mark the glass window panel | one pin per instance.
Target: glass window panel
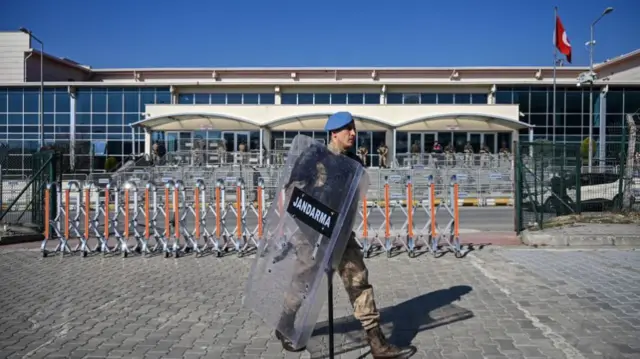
(267, 98)
(251, 99)
(573, 130)
(573, 102)
(15, 129)
(445, 98)
(322, 99)
(3, 122)
(573, 120)
(479, 98)
(3, 100)
(63, 101)
(15, 120)
(83, 119)
(289, 99)
(538, 102)
(49, 101)
(394, 98)
(98, 101)
(113, 119)
(131, 118)
(15, 101)
(631, 101)
(559, 121)
(115, 102)
(163, 97)
(305, 99)
(146, 97)
(234, 99)
(463, 98)
(131, 101)
(202, 98)
(83, 129)
(99, 129)
(411, 98)
(538, 120)
(99, 119)
(355, 98)
(61, 129)
(49, 119)
(401, 142)
(31, 100)
(339, 98)
(522, 99)
(218, 99)
(504, 97)
(372, 99)
(614, 101)
(428, 98)
(31, 119)
(185, 99)
(31, 129)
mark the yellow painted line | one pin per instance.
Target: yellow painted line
(469, 202)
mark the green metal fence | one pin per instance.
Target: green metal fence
(555, 179)
(23, 202)
(547, 182)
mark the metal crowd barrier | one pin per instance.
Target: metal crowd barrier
(175, 219)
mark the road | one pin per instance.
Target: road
(500, 303)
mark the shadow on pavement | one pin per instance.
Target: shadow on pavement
(400, 323)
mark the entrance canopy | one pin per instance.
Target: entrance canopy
(463, 122)
(196, 121)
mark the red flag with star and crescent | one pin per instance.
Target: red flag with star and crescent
(561, 40)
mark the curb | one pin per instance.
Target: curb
(547, 240)
(20, 238)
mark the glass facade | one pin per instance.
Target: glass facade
(227, 98)
(330, 98)
(19, 122)
(397, 98)
(105, 113)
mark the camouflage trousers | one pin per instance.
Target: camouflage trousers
(352, 271)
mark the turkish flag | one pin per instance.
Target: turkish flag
(561, 40)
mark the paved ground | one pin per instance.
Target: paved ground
(495, 303)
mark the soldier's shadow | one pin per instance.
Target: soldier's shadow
(400, 323)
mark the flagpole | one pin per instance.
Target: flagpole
(555, 62)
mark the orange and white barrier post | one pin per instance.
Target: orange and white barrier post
(73, 224)
(54, 224)
(217, 209)
(388, 242)
(411, 243)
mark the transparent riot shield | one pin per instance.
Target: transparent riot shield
(306, 232)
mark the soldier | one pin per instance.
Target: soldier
(383, 150)
(468, 154)
(362, 154)
(352, 269)
(222, 151)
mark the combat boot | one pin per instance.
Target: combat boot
(286, 324)
(381, 349)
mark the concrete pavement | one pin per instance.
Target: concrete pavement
(500, 303)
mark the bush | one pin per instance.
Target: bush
(584, 148)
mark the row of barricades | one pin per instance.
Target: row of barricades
(174, 220)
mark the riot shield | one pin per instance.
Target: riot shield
(306, 232)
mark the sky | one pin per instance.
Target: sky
(328, 33)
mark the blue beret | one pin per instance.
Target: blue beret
(338, 120)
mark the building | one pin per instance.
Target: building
(408, 109)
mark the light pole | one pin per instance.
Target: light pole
(592, 43)
(41, 102)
